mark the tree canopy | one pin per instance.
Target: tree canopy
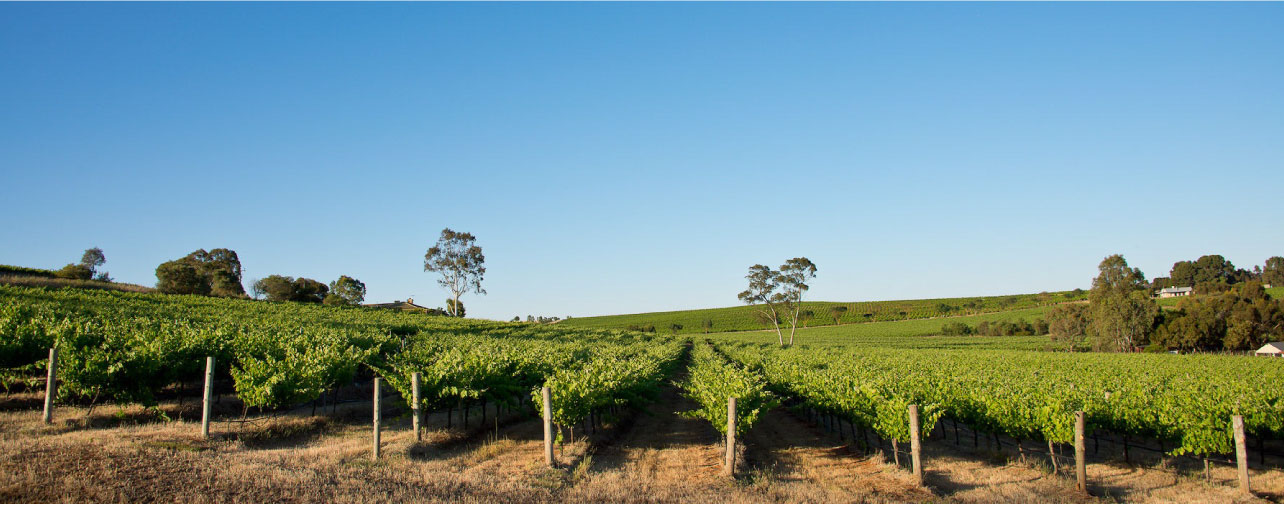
(1120, 305)
(213, 273)
(347, 291)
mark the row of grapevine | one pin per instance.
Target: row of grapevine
(712, 380)
(617, 375)
(124, 347)
(1187, 400)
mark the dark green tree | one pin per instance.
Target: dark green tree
(837, 313)
(181, 277)
(346, 290)
(1122, 311)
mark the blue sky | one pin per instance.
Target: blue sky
(619, 158)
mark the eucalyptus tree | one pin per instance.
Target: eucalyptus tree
(1122, 312)
(777, 293)
(764, 293)
(794, 274)
(458, 261)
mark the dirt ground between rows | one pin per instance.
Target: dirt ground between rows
(651, 455)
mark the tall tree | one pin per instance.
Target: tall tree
(1121, 308)
(93, 258)
(764, 293)
(794, 274)
(1182, 274)
(837, 313)
(458, 260)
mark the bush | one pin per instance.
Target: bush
(75, 272)
(956, 329)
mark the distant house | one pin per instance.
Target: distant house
(1172, 292)
(406, 306)
(1271, 349)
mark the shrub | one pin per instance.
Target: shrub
(75, 272)
(956, 329)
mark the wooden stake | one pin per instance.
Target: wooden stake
(1241, 453)
(1052, 455)
(207, 400)
(548, 426)
(417, 417)
(730, 469)
(915, 444)
(1080, 449)
(375, 450)
(51, 385)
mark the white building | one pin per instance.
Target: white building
(1172, 292)
(1271, 349)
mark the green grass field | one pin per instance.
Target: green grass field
(921, 333)
(742, 318)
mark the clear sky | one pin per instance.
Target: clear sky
(620, 158)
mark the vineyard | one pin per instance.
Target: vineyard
(823, 314)
(124, 349)
(1033, 395)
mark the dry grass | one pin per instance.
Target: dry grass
(129, 456)
(57, 283)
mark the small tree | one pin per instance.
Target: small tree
(707, 324)
(837, 313)
(347, 290)
(458, 308)
(92, 259)
(459, 261)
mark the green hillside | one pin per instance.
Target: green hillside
(742, 318)
(905, 333)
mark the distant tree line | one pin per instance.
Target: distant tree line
(217, 273)
(1230, 309)
(545, 320)
(997, 328)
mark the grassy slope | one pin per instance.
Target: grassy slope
(741, 318)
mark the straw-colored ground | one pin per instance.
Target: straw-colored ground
(648, 457)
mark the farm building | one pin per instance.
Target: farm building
(1171, 292)
(1271, 349)
(406, 306)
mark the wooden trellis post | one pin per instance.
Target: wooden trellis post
(51, 385)
(916, 444)
(547, 394)
(208, 399)
(418, 410)
(1080, 451)
(730, 468)
(1241, 453)
(375, 450)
